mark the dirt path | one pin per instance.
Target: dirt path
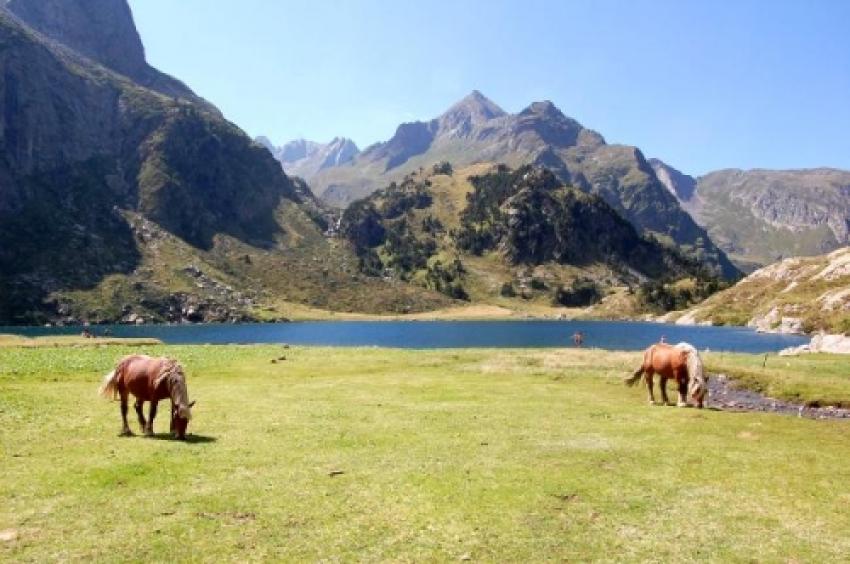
(723, 394)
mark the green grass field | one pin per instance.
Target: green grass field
(370, 454)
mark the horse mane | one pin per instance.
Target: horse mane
(696, 371)
(172, 373)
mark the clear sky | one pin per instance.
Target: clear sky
(702, 85)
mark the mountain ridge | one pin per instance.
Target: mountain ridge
(104, 32)
(476, 130)
(305, 158)
(121, 203)
(762, 215)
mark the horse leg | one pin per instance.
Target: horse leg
(683, 390)
(648, 377)
(663, 384)
(151, 415)
(125, 430)
(140, 413)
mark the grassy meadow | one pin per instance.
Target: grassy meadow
(372, 454)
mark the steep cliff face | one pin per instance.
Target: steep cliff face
(104, 32)
(475, 130)
(79, 144)
(796, 211)
(759, 216)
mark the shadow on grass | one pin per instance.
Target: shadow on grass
(190, 438)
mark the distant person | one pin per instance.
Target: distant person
(86, 334)
(663, 340)
(578, 338)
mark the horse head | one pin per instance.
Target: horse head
(181, 414)
(698, 390)
(697, 379)
(181, 408)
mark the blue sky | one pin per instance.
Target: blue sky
(702, 85)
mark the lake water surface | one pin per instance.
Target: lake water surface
(615, 335)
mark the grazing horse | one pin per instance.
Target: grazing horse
(150, 379)
(681, 363)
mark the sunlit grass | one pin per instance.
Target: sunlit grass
(371, 454)
(815, 379)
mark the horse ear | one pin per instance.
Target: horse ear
(192, 404)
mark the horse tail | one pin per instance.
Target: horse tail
(647, 361)
(109, 388)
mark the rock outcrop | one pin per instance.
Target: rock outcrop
(821, 343)
(796, 295)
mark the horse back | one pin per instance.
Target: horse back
(664, 359)
(138, 374)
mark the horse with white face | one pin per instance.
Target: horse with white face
(150, 379)
(681, 363)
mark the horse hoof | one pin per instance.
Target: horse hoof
(127, 433)
(680, 404)
(653, 402)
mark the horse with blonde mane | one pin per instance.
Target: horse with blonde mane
(150, 379)
(681, 363)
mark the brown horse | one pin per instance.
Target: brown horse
(681, 363)
(150, 379)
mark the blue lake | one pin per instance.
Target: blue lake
(613, 335)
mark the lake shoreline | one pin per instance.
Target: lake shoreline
(442, 334)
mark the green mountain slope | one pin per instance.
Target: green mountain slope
(760, 216)
(799, 294)
(493, 235)
(113, 195)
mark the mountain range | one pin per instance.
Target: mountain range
(306, 159)
(755, 216)
(761, 216)
(125, 196)
(476, 130)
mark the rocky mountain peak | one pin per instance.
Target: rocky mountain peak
(543, 108)
(550, 124)
(104, 32)
(304, 158)
(339, 151)
(473, 110)
(295, 149)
